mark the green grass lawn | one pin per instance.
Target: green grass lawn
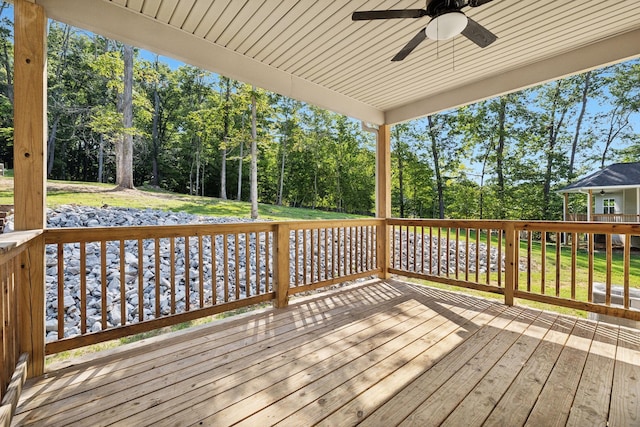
(95, 194)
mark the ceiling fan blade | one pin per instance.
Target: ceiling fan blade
(388, 14)
(408, 48)
(478, 34)
(476, 3)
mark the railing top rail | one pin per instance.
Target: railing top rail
(602, 227)
(306, 224)
(82, 234)
(460, 223)
(11, 244)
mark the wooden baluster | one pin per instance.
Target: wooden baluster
(312, 254)
(499, 261)
(488, 277)
(103, 283)
(83, 288)
(157, 275)
(60, 314)
(123, 287)
(326, 253)
(187, 274)
(140, 280)
(214, 271)
(258, 277)
(304, 257)
(529, 242)
(467, 236)
(608, 278)
(201, 271)
(574, 260)
(297, 248)
(236, 238)
(590, 267)
(225, 262)
(627, 259)
(543, 261)
(448, 249)
(267, 251)
(457, 252)
(477, 255)
(558, 261)
(247, 253)
(172, 282)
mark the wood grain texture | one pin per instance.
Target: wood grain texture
(30, 115)
(379, 353)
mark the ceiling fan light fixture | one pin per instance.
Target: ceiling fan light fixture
(447, 25)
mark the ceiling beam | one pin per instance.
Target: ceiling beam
(605, 52)
(113, 21)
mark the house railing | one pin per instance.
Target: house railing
(108, 283)
(604, 217)
(580, 266)
(14, 316)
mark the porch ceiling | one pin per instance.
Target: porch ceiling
(312, 51)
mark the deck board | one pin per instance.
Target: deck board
(377, 353)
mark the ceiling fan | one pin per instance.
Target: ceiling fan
(447, 20)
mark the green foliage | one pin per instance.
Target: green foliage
(500, 158)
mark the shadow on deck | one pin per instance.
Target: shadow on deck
(378, 353)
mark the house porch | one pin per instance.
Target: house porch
(383, 352)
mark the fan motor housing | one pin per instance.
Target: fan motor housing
(440, 7)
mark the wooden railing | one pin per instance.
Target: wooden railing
(450, 252)
(605, 217)
(329, 252)
(583, 266)
(593, 267)
(108, 283)
(13, 309)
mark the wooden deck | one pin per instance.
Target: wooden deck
(380, 353)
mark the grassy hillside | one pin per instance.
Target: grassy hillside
(94, 194)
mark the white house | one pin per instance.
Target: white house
(613, 194)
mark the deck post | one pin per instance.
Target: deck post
(511, 262)
(282, 265)
(30, 128)
(383, 196)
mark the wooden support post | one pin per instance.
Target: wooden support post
(383, 196)
(282, 265)
(511, 262)
(30, 128)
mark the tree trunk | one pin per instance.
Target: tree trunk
(224, 141)
(124, 152)
(576, 136)
(284, 146)
(51, 144)
(101, 159)
(254, 157)
(239, 197)
(500, 156)
(155, 138)
(436, 167)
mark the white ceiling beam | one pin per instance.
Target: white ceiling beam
(118, 23)
(605, 52)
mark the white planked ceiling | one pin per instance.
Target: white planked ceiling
(311, 50)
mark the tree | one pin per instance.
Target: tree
(254, 155)
(124, 150)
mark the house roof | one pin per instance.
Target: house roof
(312, 50)
(615, 175)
